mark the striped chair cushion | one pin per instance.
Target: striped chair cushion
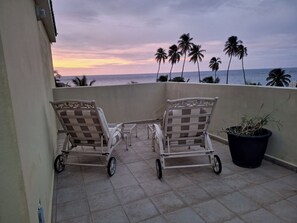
(115, 139)
(186, 126)
(83, 126)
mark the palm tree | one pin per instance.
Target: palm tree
(57, 78)
(241, 53)
(163, 78)
(58, 82)
(83, 81)
(196, 56)
(277, 77)
(185, 45)
(214, 64)
(174, 56)
(231, 47)
(160, 56)
(211, 80)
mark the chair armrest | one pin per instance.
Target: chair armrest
(114, 131)
(116, 128)
(159, 137)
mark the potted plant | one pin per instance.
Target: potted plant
(248, 140)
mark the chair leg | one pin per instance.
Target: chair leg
(126, 141)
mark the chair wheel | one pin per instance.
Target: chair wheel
(59, 164)
(217, 165)
(111, 166)
(159, 168)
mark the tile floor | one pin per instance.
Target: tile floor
(134, 194)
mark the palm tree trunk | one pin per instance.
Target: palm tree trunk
(215, 74)
(228, 70)
(243, 71)
(158, 72)
(170, 71)
(182, 74)
(198, 71)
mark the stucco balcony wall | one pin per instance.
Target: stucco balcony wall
(128, 103)
(121, 103)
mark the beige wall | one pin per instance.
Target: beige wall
(122, 103)
(12, 190)
(236, 101)
(29, 149)
(146, 101)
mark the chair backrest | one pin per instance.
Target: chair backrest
(82, 121)
(186, 120)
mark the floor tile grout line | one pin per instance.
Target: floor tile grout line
(264, 206)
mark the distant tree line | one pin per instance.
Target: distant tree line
(185, 47)
(233, 48)
(77, 81)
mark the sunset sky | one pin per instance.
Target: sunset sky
(121, 36)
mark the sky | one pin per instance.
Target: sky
(98, 37)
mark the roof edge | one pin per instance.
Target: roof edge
(45, 13)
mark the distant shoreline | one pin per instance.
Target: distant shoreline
(235, 77)
(178, 72)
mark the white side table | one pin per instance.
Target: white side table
(127, 131)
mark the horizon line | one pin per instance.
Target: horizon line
(162, 73)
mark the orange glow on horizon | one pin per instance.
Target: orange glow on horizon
(80, 66)
(69, 61)
(88, 63)
(95, 61)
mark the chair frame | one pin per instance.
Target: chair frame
(165, 137)
(77, 110)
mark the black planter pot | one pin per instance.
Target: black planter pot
(248, 151)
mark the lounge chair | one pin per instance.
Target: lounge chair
(87, 134)
(183, 134)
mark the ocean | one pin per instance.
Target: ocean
(235, 77)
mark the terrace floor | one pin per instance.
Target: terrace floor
(134, 194)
